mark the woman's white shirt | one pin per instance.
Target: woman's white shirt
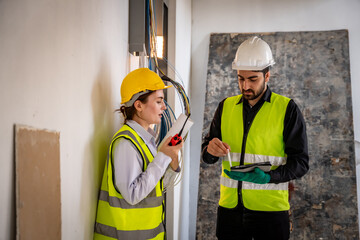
(134, 184)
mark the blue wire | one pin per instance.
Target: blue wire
(166, 122)
(168, 107)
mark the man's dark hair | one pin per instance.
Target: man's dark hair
(264, 71)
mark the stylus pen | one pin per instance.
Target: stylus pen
(228, 155)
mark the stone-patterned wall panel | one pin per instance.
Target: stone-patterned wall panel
(313, 69)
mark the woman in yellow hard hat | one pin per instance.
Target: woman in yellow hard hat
(131, 204)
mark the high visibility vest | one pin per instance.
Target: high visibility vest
(116, 218)
(264, 142)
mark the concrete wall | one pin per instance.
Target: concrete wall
(61, 66)
(263, 16)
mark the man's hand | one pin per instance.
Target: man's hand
(218, 148)
(257, 176)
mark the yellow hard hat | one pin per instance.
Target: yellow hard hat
(139, 82)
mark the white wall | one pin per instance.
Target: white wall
(263, 16)
(61, 66)
(182, 63)
(180, 56)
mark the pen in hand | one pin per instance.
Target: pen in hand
(228, 155)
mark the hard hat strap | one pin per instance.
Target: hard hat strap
(135, 97)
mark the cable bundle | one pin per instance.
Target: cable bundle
(154, 65)
(168, 115)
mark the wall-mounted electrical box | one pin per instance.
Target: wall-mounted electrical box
(137, 13)
(139, 17)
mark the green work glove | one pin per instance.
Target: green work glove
(257, 176)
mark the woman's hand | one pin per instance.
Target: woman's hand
(172, 152)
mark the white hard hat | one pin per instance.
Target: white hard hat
(253, 54)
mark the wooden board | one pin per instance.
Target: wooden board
(37, 157)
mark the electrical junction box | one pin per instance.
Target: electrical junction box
(138, 34)
(137, 13)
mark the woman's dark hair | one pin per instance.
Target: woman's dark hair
(129, 112)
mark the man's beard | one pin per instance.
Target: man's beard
(255, 94)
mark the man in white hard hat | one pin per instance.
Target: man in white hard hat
(257, 127)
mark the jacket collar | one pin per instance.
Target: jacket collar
(147, 136)
(265, 97)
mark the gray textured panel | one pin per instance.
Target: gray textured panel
(313, 69)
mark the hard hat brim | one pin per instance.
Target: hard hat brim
(251, 68)
(162, 88)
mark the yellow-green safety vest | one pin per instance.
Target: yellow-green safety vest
(116, 218)
(264, 142)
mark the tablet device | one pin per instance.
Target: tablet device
(265, 166)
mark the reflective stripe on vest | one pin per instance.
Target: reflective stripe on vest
(264, 143)
(106, 232)
(116, 218)
(148, 202)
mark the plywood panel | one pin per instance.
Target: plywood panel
(37, 154)
(312, 68)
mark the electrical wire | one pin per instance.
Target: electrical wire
(153, 55)
(168, 63)
(181, 93)
(166, 123)
(168, 116)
